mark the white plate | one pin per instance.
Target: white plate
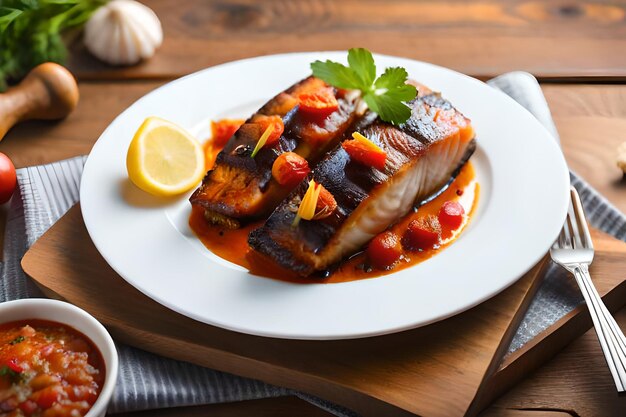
(524, 190)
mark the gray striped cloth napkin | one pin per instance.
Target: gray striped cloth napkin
(147, 381)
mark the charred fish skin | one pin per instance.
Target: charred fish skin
(241, 188)
(423, 156)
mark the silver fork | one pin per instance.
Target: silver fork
(573, 250)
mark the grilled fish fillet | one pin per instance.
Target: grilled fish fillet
(241, 188)
(423, 156)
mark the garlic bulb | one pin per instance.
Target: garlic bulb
(123, 32)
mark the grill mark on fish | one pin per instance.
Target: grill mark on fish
(423, 156)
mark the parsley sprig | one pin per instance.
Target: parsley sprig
(31, 32)
(385, 95)
(17, 340)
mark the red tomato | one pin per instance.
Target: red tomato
(276, 122)
(321, 102)
(289, 169)
(451, 214)
(46, 397)
(423, 233)
(8, 179)
(384, 250)
(28, 407)
(325, 204)
(14, 366)
(364, 154)
(223, 130)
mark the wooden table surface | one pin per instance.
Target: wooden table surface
(575, 48)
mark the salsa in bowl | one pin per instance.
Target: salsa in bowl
(55, 359)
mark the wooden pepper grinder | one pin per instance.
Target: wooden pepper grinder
(49, 92)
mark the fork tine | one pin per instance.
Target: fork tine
(562, 239)
(573, 223)
(580, 219)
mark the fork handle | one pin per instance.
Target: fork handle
(611, 338)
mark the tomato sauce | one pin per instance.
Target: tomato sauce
(232, 245)
(47, 369)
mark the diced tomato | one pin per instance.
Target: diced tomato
(325, 205)
(46, 397)
(28, 407)
(276, 122)
(289, 169)
(54, 370)
(423, 233)
(384, 250)
(14, 366)
(451, 214)
(321, 102)
(222, 130)
(365, 154)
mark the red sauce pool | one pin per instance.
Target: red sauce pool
(47, 369)
(232, 245)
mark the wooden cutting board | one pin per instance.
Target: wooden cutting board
(444, 369)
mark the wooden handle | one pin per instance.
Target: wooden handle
(48, 92)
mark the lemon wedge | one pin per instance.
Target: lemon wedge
(163, 159)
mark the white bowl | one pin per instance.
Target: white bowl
(72, 316)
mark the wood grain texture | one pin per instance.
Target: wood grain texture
(591, 120)
(552, 39)
(577, 381)
(401, 374)
(552, 340)
(592, 123)
(509, 412)
(39, 142)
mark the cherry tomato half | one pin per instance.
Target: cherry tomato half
(384, 250)
(451, 214)
(289, 169)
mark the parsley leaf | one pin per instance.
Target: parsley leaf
(393, 78)
(335, 74)
(385, 95)
(388, 105)
(17, 340)
(362, 62)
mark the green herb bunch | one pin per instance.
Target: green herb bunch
(30, 33)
